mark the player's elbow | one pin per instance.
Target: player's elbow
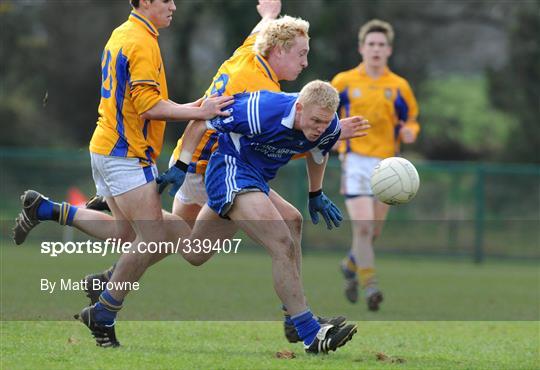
(151, 114)
(147, 115)
(158, 111)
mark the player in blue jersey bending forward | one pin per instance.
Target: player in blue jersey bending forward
(262, 134)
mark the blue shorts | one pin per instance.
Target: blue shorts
(226, 177)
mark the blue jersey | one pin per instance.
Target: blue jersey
(260, 133)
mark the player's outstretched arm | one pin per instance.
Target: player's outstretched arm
(318, 202)
(268, 10)
(352, 127)
(166, 110)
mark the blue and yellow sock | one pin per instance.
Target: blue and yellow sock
(307, 326)
(349, 266)
(63, 213)
(107, 308)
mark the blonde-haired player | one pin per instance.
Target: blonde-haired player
(280, 32)
(265, 130)
(387, 101)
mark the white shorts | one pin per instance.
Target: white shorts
(193, 190)
(114, 176)
(356, 171)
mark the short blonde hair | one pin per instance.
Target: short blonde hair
(280, 32)
(319, 93)
(376, 25)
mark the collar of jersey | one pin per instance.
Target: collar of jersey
(362, 70)
(288, 120)
(143, 21)
(266, 67)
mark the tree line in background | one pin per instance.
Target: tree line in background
(474, 65)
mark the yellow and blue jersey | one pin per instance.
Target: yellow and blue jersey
(245, 71)
(133, 81)
(386, 102)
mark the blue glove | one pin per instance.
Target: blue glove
(175, 176)
(319, 203)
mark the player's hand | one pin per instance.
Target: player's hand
(174, 176)
(319, 203)
(407, 135)
(269, 9)
(352, 127)
(213, 105)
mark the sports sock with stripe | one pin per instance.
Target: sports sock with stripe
(306, 325)
(63, 213)
(107, 308)
(349, 266)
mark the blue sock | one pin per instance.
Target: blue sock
(61, 213)
(45, 210)
(103, 315)
(107, 308)
(306, 326)
(286, 316)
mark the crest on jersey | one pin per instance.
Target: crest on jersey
(356, 93)
(220, 84)
(388, 93)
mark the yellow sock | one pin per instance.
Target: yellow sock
(367, 276)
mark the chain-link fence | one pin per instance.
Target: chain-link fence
(472, 209)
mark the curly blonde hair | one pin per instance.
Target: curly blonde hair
(280, 32)
(321, 94)
(376, 25)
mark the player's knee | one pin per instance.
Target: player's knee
(160, 231)
(126, 234)
(195, 260)
(363, 229)
(296, 222)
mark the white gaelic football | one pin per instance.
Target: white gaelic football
(395, 181)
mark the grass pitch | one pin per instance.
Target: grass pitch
(254, 345)
(437, 314)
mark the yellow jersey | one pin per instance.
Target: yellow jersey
(245, 71)
(133, 81)
(386, 102)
